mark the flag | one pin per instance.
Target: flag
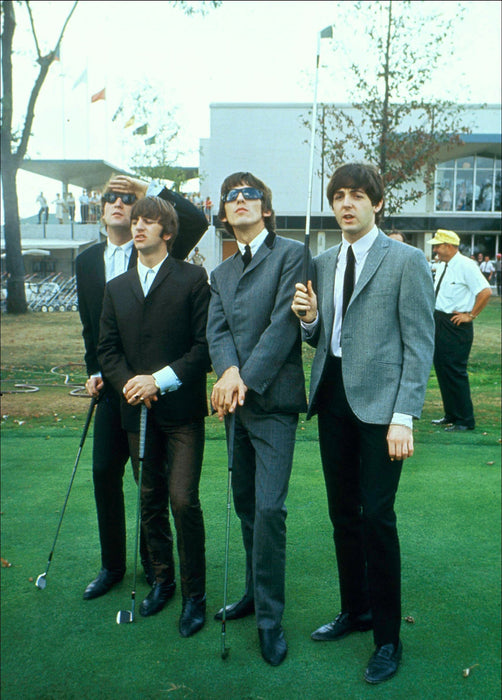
(129, 122)
(150, 141)
(80, 80)
(118, 112)
(99, 96)
(57, 53)
(327, 32)
(141, 130)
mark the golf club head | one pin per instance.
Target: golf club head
(41, 582)
(225, 652)
(124, 616)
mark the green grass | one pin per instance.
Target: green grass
(57, 646)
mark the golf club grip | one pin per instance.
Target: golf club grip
(305, 265)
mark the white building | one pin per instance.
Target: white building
(272, 142)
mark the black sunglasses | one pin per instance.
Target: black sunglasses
(247, 193)
(127, 198)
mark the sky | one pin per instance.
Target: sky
(240, 52)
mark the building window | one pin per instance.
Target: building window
(468, 184)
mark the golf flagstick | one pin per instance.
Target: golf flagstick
(41, 581)
(326, 33)
(125, 616)
(231, 438)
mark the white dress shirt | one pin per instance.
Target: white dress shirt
(255, 243)
(460, 286)
(165, 378)
(117, 259)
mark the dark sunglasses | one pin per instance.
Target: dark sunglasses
(247, 193)
(111, 197)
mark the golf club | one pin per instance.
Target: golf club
(231, 437)
(125, 616)
(41, 581)
(326, 33)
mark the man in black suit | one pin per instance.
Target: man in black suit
(94, 267)
(152, 348)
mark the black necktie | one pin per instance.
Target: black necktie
(348, 279)
(440, 280)
(246, 256)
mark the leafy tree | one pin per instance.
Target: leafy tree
(14, 145)
(391, 123)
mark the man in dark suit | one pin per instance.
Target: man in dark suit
(371, 322)
(94, 267)
(255, 348)
(153, 341)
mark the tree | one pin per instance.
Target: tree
(14, 145)
(391, 123)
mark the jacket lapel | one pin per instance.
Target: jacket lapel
(328, 293)
(375, 256)
(164, 271)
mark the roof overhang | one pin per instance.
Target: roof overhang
(87, 174)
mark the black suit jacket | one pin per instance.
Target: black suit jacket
(140, 335)
(90, 270)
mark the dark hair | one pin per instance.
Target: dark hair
(159, 210)
(363, 176)
(239, 179)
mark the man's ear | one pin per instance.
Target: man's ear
(266, 214)
(166, 236)
(379, 206)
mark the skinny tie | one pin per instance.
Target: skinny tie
(348, 279)
(246, 256)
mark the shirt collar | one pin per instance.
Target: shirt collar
(111, 247)
(361, 247)
(143, 270)
(255, 243)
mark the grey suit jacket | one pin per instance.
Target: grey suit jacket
(251, 325)
(387, 334)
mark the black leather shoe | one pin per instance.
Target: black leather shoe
(160, 594)
(149, 572)
(458, 428)
(243, 608)
(384, 663)
(193, 615)
(342, 625)
(104, 581)
(441, 421)
(273, 646)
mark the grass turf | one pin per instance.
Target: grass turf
(57, 646)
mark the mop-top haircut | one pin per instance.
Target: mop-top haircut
(362, 176)
(157, 209)
(238, 180)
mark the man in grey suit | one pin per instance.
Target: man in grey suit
(371, 320)
(255, 347)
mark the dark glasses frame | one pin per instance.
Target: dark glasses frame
(247, 193)
(126, 197)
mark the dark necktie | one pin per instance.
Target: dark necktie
(246, 256)
(440, 280)
(348, 279)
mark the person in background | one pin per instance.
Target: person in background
(43, 212)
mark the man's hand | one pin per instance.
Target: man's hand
(228, 391)
(126, 185)
(94, 386)
(141, 388)
(400, 442)
(460, 317)
(305, 300)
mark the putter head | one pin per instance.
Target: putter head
(41, 582)
(124, 616)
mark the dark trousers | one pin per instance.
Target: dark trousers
(361, 484)
(171, 474)
(263, 456)
(110, 454)
(451, 354)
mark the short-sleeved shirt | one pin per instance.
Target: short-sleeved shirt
(461, 284)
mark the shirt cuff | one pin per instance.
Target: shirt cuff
(154, 189)
(310, 327)
(402, 419)
(166, 380)
(97, 375)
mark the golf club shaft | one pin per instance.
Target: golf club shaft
(142, 440)
(231, 440)
(81, 445)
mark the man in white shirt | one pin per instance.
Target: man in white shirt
(462, 293)
(153, 349)
(371, 322)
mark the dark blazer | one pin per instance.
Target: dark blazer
(90, 270)
(140, 335)
(251, 324)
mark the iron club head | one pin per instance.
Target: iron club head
(41, 581)
(225, 652)
(124, 616)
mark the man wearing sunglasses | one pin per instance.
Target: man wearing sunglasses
(255, 349)
(94, 268)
